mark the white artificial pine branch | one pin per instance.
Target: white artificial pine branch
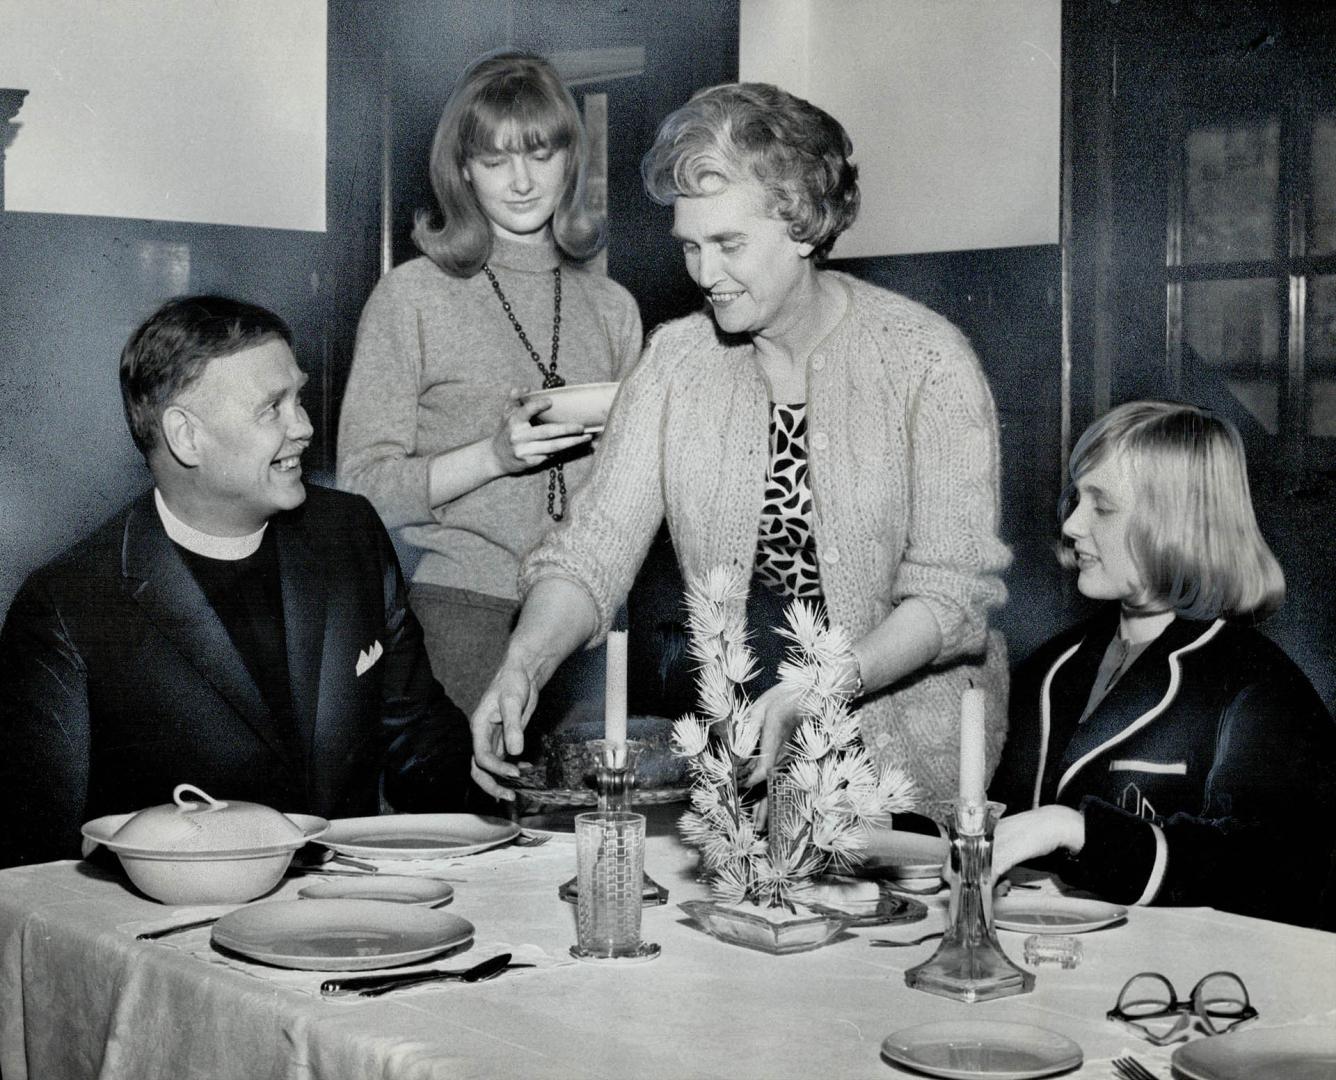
(838, 791)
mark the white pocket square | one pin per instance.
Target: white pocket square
(368, 657)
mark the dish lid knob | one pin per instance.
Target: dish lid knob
(181, 790)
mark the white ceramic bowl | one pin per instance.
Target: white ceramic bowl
(207, 879)
(584, 403)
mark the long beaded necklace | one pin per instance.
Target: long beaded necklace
(556, 475)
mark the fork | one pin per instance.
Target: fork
(528, 839)
(1129, 1068)
(887, 943)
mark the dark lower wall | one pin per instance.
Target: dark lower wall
(1008, 302)
(76, 286)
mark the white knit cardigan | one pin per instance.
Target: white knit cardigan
(903, 465)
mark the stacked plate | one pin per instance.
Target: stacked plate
(974, 1049)
(417, 836)
(339, 935)
(351, 926)
(1295, 1053)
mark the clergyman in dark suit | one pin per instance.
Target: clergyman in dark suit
(232, 628)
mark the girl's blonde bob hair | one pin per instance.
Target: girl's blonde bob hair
(515, 102)
(1193, 534)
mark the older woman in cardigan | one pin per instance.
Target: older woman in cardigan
(836, 441)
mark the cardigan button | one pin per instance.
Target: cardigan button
(829, 554)
(819, 440)
(818, 362)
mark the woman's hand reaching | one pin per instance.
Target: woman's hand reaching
(520, 444)
(778, 709)
(498, 723)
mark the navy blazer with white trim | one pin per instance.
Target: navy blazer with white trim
(1207, 775)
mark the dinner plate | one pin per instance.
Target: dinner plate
(970, 1049)
(394, 888)
(1053, 914)
(417, 836)
(1296, 1053)
(883, 908)
(910, 859)
(907, 871)
(338, 935)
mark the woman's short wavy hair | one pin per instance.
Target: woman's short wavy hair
(740, 132)
(1193, 533)
(513, 101)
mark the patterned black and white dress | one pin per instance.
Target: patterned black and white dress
(786, 550)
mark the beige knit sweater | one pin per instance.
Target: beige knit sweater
(903, 464)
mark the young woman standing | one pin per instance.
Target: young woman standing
(432, 430)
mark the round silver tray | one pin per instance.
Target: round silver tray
(589, 797)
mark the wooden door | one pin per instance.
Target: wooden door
(1200, 157)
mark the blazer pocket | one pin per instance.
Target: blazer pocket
(1160, 768)
(366, 658)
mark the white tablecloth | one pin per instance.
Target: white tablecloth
(79, 997)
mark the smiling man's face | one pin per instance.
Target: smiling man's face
(251, 430)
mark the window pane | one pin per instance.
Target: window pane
(1230, 192)
(1322, 221)
(1322, 320)
(1321, 359)
(1322, 408)
(1233, 328)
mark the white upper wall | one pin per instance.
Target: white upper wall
(174, 110)
(954, 108)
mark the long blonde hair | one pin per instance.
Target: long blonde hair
(1193, 533)
(504, 93)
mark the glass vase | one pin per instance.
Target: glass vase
(969, 965)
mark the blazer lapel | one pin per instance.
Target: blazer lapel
(1140, 696)
(1068, 689)
(158, 579)
(304, 613)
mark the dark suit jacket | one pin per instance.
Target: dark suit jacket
(119, 681)
(1207, 775)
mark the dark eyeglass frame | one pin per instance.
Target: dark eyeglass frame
(1193, 1009)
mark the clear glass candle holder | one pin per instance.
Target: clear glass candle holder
(969, 965)
(610, 769)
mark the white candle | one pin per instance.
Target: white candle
(614, 708)
(971, 747)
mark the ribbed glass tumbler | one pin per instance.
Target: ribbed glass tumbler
(610, 868)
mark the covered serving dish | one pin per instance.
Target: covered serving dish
(201, 850)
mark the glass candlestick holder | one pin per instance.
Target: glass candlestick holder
(610, 769)
(969, 965)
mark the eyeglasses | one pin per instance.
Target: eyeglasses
(1149, 1005)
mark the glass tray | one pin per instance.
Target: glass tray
(540, 796)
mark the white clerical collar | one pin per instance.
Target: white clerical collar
(229, 548)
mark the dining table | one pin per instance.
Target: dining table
(82, 996)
